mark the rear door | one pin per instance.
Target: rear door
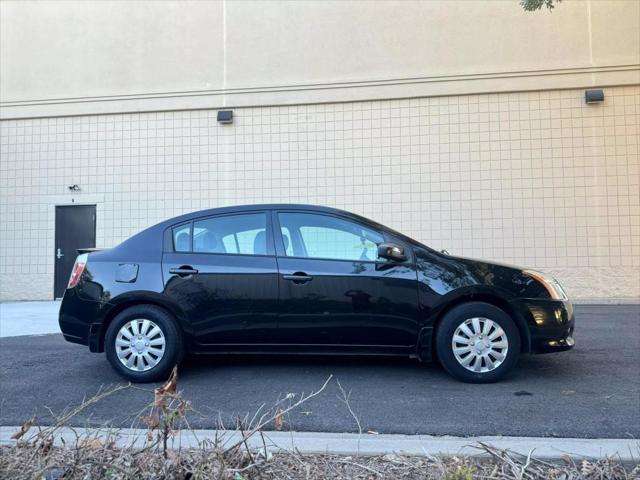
(334, 293)
(223, 274)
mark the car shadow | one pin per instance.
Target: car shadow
(379, 372)
(549, 367)
(271, 360)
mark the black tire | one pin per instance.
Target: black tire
(458, 315)
(174, 348)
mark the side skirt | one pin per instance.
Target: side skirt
(287, 349)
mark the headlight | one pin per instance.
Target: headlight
(551, 284)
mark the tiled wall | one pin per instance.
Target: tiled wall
(537, 179)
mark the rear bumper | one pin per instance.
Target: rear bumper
(551, 324)
(80, 321)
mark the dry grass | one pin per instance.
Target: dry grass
(95, 461)
(42, 455)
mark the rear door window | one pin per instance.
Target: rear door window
(243, 234)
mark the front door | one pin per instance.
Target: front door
(223, 273)
(333, 291)
(75, 228)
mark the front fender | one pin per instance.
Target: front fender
(475, 293)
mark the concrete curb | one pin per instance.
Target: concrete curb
(626, 450)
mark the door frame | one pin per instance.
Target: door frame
(95, 231)
(172, 259)
(332, 347)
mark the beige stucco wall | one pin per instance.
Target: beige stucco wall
(538, 179)
(461, 123)
(83, 57)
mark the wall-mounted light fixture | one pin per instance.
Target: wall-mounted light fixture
(594, 96)
(73, 188)
(225, 116)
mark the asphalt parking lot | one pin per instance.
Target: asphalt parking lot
(592, 391)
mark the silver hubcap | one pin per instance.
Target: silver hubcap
(480, 345)
(140, 345)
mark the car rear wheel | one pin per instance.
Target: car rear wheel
(143, 343)
(477, 342)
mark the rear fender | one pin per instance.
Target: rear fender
(120, 303)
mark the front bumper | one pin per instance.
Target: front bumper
(551, 324)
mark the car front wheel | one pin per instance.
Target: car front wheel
(143, 343)
(477, 342)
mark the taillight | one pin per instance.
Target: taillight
(78, 268)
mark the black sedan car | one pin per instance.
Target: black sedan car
(305, 279)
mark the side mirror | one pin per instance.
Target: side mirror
(391, 251)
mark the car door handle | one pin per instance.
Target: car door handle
(298, 277)
(183, 271)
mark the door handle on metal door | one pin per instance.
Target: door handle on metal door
(298, 277)
(59, 254)
(183, 271)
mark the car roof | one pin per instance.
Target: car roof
(262, 206)
(288, 206)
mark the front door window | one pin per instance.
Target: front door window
(328, 237)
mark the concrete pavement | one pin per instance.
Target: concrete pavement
(28, 318)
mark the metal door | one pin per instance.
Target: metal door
(75, 228)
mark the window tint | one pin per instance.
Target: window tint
(323, 236)
(182, 238)
(232, 234)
